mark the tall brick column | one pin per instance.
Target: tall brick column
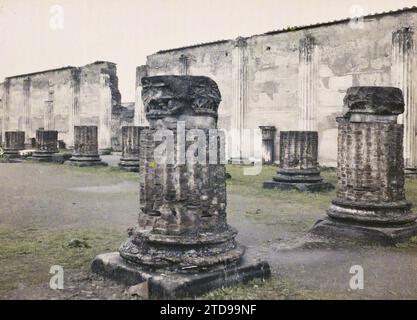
(370, 199)
(46, 145)
(182, 244)
(130, 144)
(298, 167)
(85, 147)
(14, 142)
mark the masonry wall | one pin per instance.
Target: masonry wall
(296, 80)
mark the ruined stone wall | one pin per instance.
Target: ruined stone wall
(61, 98)
(296, 79)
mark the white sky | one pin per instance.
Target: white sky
(126, 31)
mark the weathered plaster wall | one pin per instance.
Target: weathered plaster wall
(293, 83)
(61, 98)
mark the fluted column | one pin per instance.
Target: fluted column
(6, 109)
(183, 65)
(130, 148)
(27, 115)
(308, 83)
(46, 145)
(140, 117)
(240, 92)
(104, 130)
(49, 109)
(14, 142)
(268, 144)
(403, 75)
(298, 166)
(86, 147)
(74, 112)
(182, 244)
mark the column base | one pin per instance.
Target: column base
(85, 161)
(12, 153)
(170, 285)
(129, 165)
(41, 157)
(105, 152)
(382, 235)
(410, 172)
(300, 186)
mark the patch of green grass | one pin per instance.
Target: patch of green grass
(275, 288)
(252, 185)
(26, 255)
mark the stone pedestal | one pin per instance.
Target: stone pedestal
(85, 148)
(370, 201)
(182, 244)
(46, 145)
(298, 168)
(268, 144)
(14, 142)
(130, 144)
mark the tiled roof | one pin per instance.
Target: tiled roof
(296, 28)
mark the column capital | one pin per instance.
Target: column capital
(362, 102)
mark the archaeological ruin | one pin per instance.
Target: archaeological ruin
(130, 148)
(59, 99)
(370, 201)
(294, 79)
(182, 245)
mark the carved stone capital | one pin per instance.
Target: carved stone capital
(380, 101)
(172, 96)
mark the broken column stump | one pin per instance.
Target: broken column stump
(85, 148)
(182, 245)
(14, 142)
(46, 145)
(298, 167)
(268, 144)
(130, 148)
(370, 202)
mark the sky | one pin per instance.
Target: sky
(37, 35)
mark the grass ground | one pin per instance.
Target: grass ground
(26, 253)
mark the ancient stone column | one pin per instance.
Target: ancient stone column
(370, 200)
(104, 130)
(182, 244)
(85, 148)
(27, 110)
(140, 116)
(308, 80)
(268, 144)
(46, 145)
(403, 76)
(240, 100)
(130, 148)
(298, 166)
(74, 112)
(14, 142)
